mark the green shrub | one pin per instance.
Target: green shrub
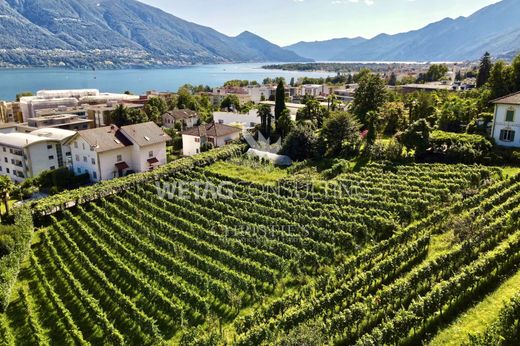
(10, 263)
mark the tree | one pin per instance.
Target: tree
(394, 117)
(6, 187)
(313, 112)
(435, 72)
(392, 80)
(264, 112)
(370, 96)
(340, 134)
(122, 116)
(279, 105)
(185, 99)
(456, 112)
(119, 116)
(373, 124)
(485, 70)
(231, 102)
(300, 144)
(155, 108)
(416, 136)
(285, 124)
(516, 74)
(501, 80)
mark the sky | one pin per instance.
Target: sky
(286, 22)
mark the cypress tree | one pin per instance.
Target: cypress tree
(485, 70)
(279, 101)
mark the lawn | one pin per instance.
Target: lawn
(249, 170)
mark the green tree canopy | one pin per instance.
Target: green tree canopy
(370, 96)
(341, 134)
(231, 102)
(300, 144)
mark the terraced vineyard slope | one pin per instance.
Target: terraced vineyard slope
(200, 258)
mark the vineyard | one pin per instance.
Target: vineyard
(195, 257)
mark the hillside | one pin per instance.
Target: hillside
(494, 28)
(125, 32)
(387, 262)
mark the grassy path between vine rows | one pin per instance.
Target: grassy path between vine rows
(480, 316)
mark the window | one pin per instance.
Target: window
(76, 145)
(51, 157)
(84, 159)
(53, 168)
(78, 170)
(197, 140)
(507, 135)
(5, 149)
(49, 146)
(94, 175)
(119, 158)
(7, 170)
(197, 151)
(83, 145)
(510, 116)
(77, 157)
(0, 168)
(150, 153)
(93, 161)
(221, 121)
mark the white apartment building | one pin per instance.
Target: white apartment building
(54, 99)
(245, 121)
(506, 123)
(109, 152)
(26, 155)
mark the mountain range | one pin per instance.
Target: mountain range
(118, 32)
(128, 33)
(495, 28)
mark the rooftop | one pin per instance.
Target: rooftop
(53, 133)
(145, 134)
(20, 140)
(105, 138)
(212, 130)
(512, 99)
(180, 114)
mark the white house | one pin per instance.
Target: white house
(110, 152)
(211, 135)
(26, 155)
(506, 123)
(246, 121)
(186, 117)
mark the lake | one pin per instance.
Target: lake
(138, 81)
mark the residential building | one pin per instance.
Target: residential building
(63, 121)
(245, 121)
(110, 152)
(53, 99)
(26, 155)
(506, 123)
(185, 117)
(212, 135)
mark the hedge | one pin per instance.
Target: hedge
(10, 263)
(478, 142)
